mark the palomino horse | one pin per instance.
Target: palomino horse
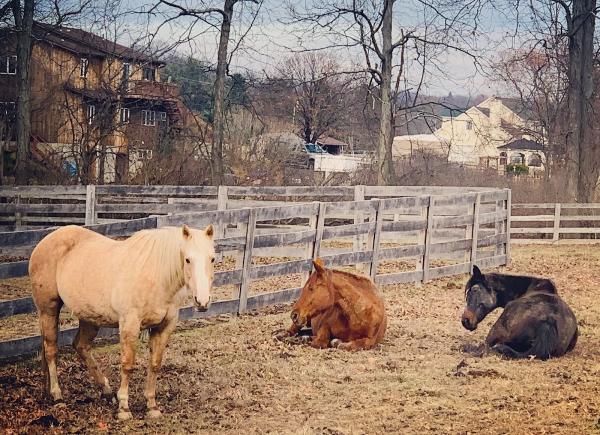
(535, 321)
(131, 284)
(343, 310)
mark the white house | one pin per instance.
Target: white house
(475, 136)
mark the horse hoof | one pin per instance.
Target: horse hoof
(57, 396)
(108, 395)
(124, 415)
(281, 335)
(336, 342)
(153, 413)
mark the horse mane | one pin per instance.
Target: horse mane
(359, 278)
(160, 251)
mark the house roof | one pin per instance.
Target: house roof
(517, 106)
(85, 43)
(326, 141)
(523, 144)
(484, 110)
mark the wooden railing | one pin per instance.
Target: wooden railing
(42, 206)
(555, 222)
(433, 235)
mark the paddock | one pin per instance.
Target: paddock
(224, 372)
(227, 374)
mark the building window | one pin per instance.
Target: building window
(91, 113)
(503, 158)
(149, 73)
(163, 116)
(83, 67)
(469, 125)
(148, 117)
(124, 115)
(143, 154)
(126, 71)
(8, 64)
(535, 160)
(7, 110)
(517, 159)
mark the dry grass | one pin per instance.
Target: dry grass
(230, 376)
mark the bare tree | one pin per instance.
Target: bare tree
(207, 13)
(23, 18)
(539, 78)
(583, 154)
(368, 26)
(567, 29)
(318, 89)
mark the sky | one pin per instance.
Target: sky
(273, 37)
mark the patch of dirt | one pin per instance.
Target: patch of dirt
(229, 375)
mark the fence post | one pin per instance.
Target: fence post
(475, 233)
(508, 218)
(247, 262)
(222, 197)
(378, 205)
(359, 195)
(319, 234)
(310, 246)
(170, 201)
(556, 231)
(90, 204)
(428, 235)
(18, 215)
(498, 225)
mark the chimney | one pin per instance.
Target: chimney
(495, 112)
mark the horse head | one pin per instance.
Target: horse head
(198, 254)
(481, 300)
(316, 296)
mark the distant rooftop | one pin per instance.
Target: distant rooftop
(523, 144)
(85, 43)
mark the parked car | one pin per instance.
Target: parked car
(302, 155)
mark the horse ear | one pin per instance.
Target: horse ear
(476, 272)
(187, 233)
(209, 231)
(319, 266)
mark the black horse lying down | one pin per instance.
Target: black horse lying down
(535, 322)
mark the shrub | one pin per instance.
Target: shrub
(517, 169)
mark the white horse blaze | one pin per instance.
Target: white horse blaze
(201, 284)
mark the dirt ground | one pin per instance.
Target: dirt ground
(228, 375)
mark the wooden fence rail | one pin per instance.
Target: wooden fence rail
(555, 223)
(442, 234)
(42, 206)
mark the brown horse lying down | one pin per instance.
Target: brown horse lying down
(535, 321)
(344, 310)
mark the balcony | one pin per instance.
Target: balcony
(149, 90)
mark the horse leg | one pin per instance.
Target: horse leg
(360, 344)
(129, 329)
(497, 334)
(321, 333)
(83, 345)
(158, 342)
(49, 329)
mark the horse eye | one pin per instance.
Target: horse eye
(212, 260)
(187, 260)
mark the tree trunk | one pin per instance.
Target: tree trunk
(385, 170)
(23, 17)
(219, 96)
(581, 153)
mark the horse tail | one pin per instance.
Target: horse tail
(545, 340)
(573, 340)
